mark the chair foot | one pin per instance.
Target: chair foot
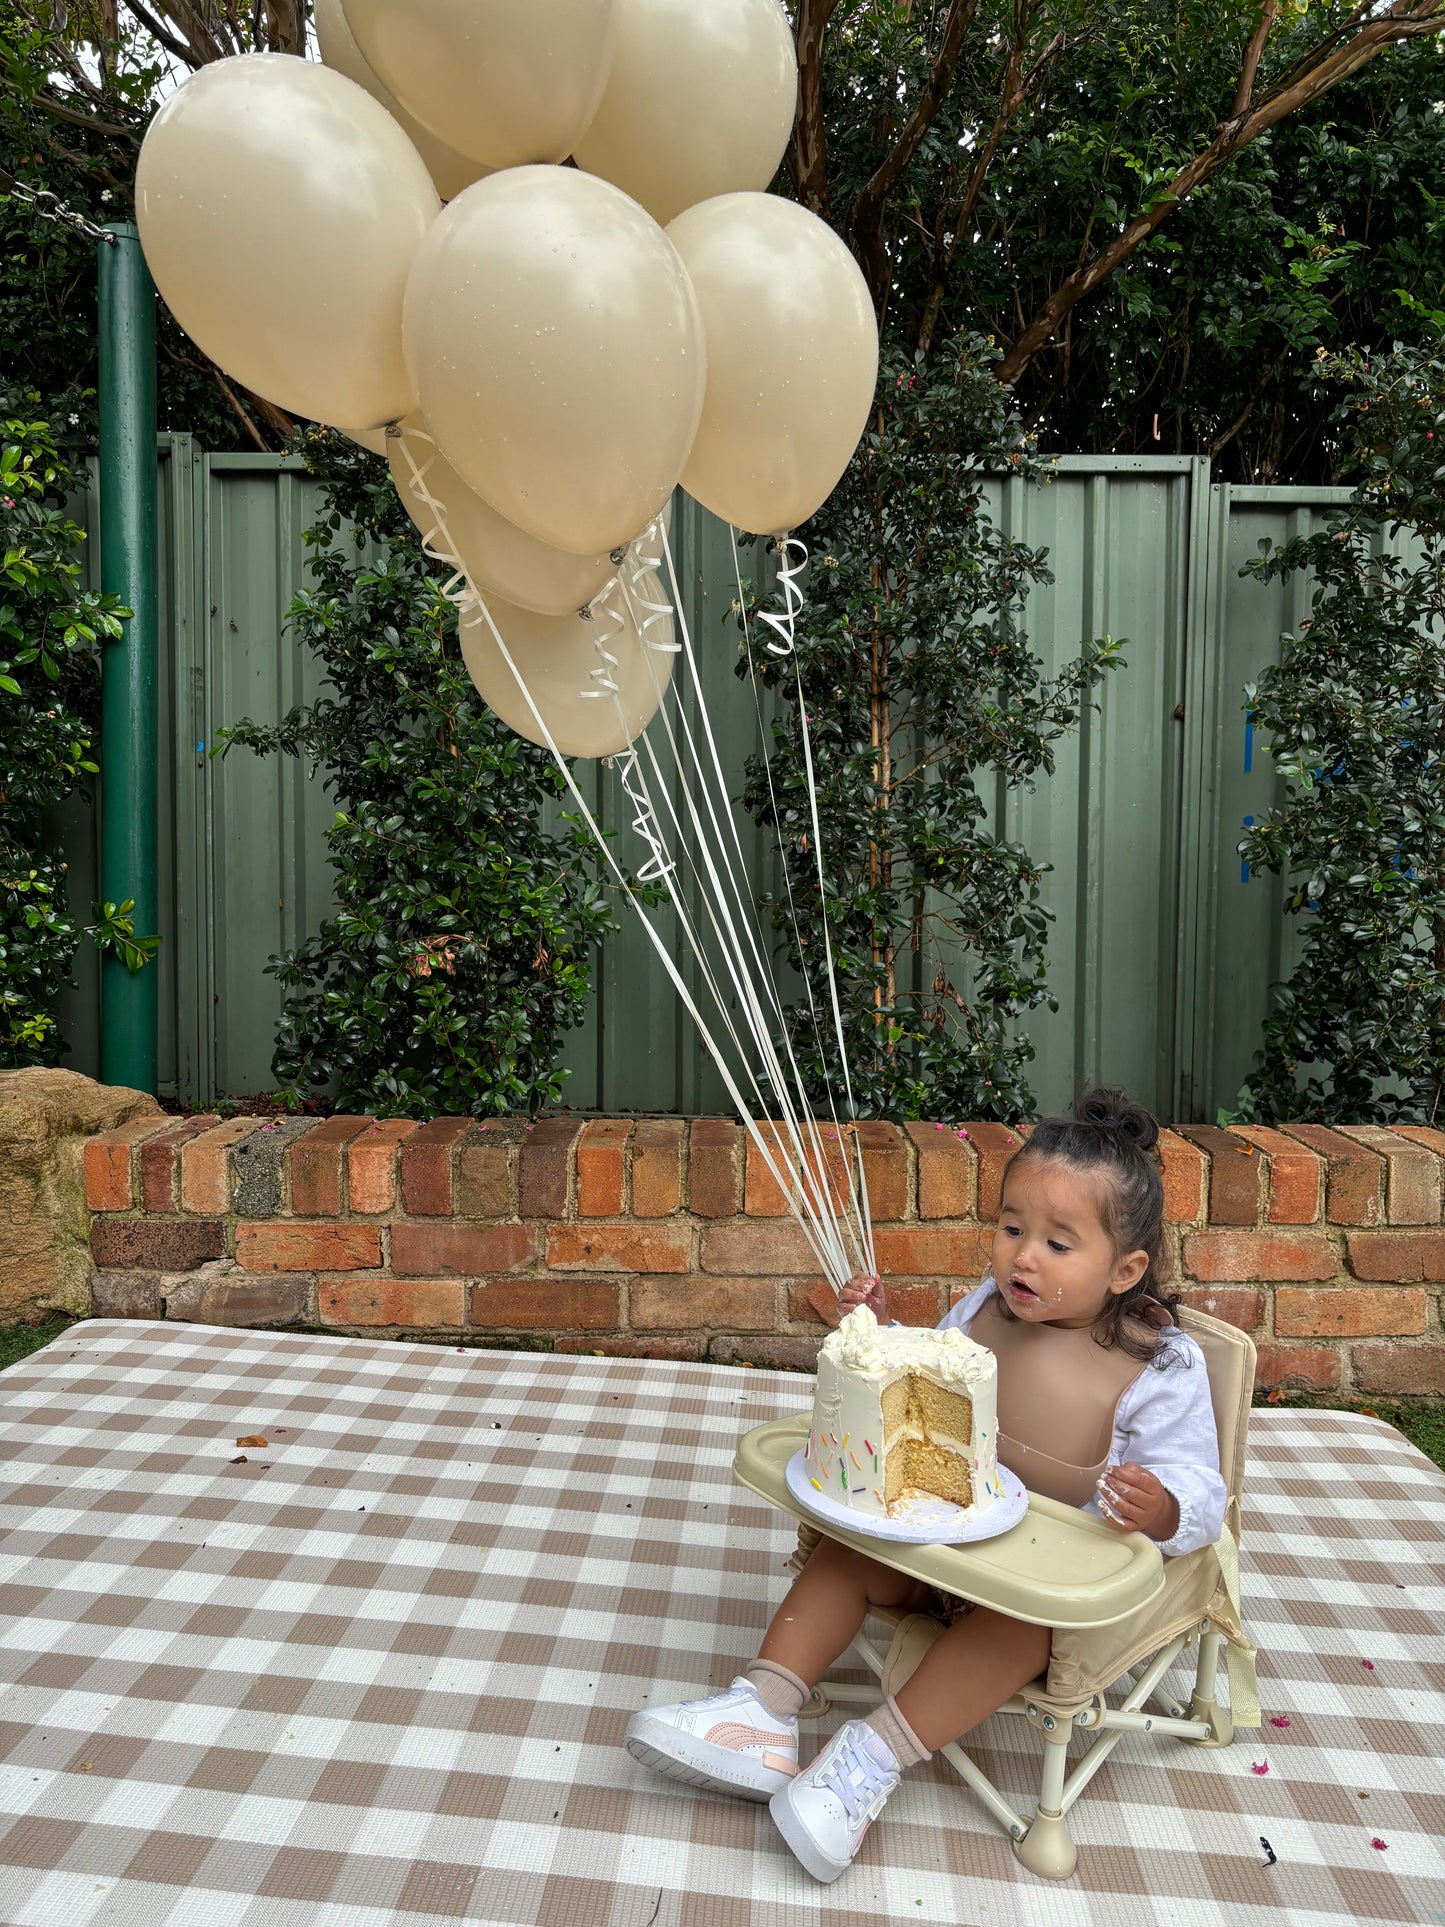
(1221, 1726)
(815, 1706)
(1046, 1849)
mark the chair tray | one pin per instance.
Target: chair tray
(1057, 1567)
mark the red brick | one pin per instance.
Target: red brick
(677, 1349)
(1183, 1172)
(206, 1166)
(914, 1301)
(546, 1304)
(1296, 1175)
(314, 1163)
(426, 1167)
(545, 1173)
(995, 1144)
(1397, 1257)
(1242, 1308)
(619, 1247)
(1309, 1368)
(1348, 1312)
(657, 1167)
(419, 1303)
(703, 1304)
(434, 1250)
(1422, 1134)
(1354, 1177)
(932, 1250)
(1404, 1369)
(885, 1169)
(487, 1163)
(601, 1167)
(108, 1162)
(712, 1168)
(156, 1244)
(1227, 1257)
(308, 1247)
(1236, 1174)
(946, 1167)
(762, 1195)
(1412, 1181)
(371, 1165)
(758, 1248)
(158, 1164)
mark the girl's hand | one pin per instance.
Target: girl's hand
(1132, 1500)
(865, 1289)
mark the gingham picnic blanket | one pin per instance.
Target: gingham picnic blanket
(376, 1673)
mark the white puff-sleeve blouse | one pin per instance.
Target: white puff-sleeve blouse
(1165, 1422)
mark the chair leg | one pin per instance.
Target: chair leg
(1047, 1848)
(1202, 1703)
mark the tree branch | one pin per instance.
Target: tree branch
(1405, 20)
(159, 33)
(1253, 53)
(810, 159)
(866, 219)
(75, 118)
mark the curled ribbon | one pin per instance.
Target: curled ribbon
(784, 623)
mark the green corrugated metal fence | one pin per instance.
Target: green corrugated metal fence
(1162, 952)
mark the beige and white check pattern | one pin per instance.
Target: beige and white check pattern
(377, 1676)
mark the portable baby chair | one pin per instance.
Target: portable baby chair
(1126, 1608)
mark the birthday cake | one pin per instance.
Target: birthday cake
(900, 1412)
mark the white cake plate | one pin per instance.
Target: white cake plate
(922, 1522)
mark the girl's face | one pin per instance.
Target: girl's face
(1053, 1261)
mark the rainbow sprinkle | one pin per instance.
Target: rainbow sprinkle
(868, 1447)
(814, 1482)
(856, 1466)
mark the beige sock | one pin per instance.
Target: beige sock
(779, 1690)
(891, 1726)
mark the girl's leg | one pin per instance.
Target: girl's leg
(827, 1605)
(967, 1674)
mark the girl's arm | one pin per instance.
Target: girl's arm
(1165, 1457)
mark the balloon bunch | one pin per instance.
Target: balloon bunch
(525, 249)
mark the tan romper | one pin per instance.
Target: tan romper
(1058, 1397)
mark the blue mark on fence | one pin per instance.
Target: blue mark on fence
(1248, 740)
(1244, 866)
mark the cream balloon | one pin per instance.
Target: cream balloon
(505, 81)
(699, 101)
(373, 440)
(280, 210)
(499, 559)
(555, 656)
(450, 171)
(557, 351)
(792, 357)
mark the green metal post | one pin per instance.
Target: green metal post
(129, 735)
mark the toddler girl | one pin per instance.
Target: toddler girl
(1103, 1403)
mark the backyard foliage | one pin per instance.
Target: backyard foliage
(1355, 714)
(51, 630)
(917, 676)
(467, 911)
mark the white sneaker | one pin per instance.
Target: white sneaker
(730, 1742)
(824, 1813)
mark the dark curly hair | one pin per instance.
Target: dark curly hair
(1111, 1138)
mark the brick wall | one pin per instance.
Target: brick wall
(667, 1238)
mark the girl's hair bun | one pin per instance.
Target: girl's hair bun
(1113, 1113)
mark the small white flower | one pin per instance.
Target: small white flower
(105, 194)
(1437, 107)
(74, 420)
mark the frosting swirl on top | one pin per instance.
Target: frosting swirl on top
(861, 1345)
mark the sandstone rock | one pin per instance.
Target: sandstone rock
(45, 1118)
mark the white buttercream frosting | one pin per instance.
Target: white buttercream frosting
(857, 1363)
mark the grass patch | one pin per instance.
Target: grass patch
(18, 1341)
(1422, 1420)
